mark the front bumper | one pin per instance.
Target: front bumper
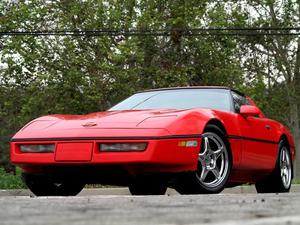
(163, 154)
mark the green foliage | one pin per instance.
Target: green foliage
(9, 181)
(42, 75)
(296, 181)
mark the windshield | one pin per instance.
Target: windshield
(178, 99)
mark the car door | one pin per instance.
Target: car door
(259, 147)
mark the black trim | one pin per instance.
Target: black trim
(192, 87)
(106, 138)
(251, 139)
(135, 138)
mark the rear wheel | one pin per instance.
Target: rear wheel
(43, 185)
(148, 185)
(281, 178)
(214, 165)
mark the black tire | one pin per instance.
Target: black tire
(195, 183)
(148, 185)
(275, 182)
(43, 185)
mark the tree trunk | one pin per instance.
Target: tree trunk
(296, 132)
(294, 126)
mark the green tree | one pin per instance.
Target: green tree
(79, 74)
(273, 59)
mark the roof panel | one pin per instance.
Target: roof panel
(192, 87)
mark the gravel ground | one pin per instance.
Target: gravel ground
(91, 208)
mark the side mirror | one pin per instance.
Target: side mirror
(249, 110)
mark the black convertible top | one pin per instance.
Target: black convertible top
(194, 87)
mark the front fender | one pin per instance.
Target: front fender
(190, 124)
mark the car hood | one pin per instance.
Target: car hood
(110, 119)
(102, 124)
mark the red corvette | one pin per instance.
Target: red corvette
(194, 139)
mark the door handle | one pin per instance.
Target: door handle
(268, 127)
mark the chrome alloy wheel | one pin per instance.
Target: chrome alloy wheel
(285, 167)
(213, 161)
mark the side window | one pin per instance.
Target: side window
(238, 101)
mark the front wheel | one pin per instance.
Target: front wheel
(43, 185)
(281, 178)
(214, 165)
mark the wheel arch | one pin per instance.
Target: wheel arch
(233, 150)
(284, 138)
(217, 123)
(288, 139)
(220, 125)
(284, 133)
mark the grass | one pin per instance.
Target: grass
(8, 181)
(296, 181)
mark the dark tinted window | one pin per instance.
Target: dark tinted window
(178, 99)
(238, 101)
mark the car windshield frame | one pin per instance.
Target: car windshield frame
(135, 101)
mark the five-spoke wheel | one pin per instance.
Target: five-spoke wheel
(285, 167)
(281, 178)
(214, 165)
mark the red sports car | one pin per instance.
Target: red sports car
(193, 139)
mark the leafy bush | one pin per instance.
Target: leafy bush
(8, 181)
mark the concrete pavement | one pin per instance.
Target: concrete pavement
(125, 191)
(221, 209)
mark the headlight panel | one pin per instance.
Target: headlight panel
(123, 147)
(37, 148)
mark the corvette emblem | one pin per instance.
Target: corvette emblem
(89, 124)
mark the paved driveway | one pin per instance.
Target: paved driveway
(89, 208)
